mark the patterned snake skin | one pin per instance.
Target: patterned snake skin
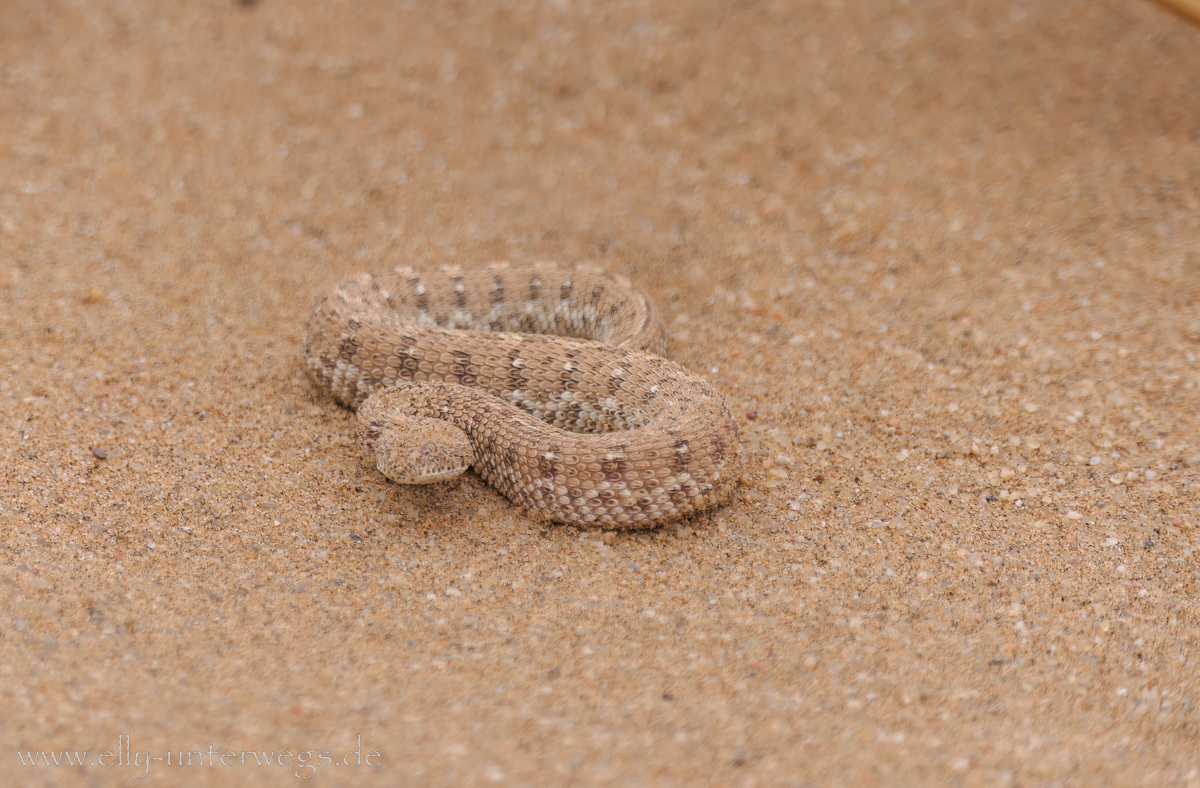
(547, 379)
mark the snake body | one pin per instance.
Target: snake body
(548, 379)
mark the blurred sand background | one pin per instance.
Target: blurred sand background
(941, 257)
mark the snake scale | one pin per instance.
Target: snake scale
(548, 379)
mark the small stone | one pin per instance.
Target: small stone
(1094, 461)
(751, 415)
(1073, 515)
(100, 452)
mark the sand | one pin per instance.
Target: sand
(941, 258)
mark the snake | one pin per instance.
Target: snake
(547, 379)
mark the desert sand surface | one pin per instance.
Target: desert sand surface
(943, 259)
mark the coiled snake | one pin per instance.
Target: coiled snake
(548, 379)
